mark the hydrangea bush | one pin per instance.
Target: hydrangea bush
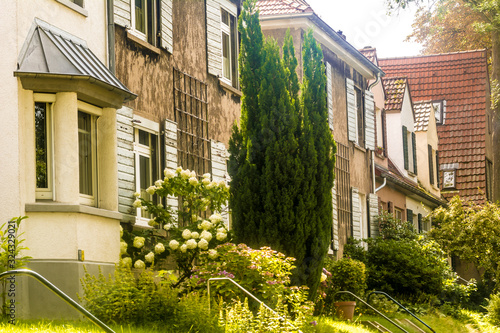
(189, 234)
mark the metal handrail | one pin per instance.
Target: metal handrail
(371, 307)
(59, 293)
(249, 294)
(400, 305)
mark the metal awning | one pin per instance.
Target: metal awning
(51, 52)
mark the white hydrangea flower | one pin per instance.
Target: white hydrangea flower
(151, 190)
(121, 232)
(195, 235)
(214, 218)
(183, 248)
(193, 181)
(159, 183)
(138, 242)
(194, 217)
(206, 175)
(205, 181)
(203, 244)
(173, 244)
(206, 225)
(191, 244)
(221, 236)
(152, 223)
(160, 206)
(186, 174)
(137, 194)
(139, 264)
(222, 183)
(168, 226)
(186, 234)
(212, 254)
(193, 174)
(123, 247)
(149, 257)
(206, 235)
(210, 185)
(126, 262)
(179, 169)
(222, 230)
(137, 203)
(168, 173)
(159, 248)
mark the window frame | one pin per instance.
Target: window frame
(360, 116)
(231, 30)
(149, 37)
(94, 112)
(49, 100)
(439, 110)
(398, 211)
(153, 129)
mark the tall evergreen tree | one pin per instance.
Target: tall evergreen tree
(281, 160)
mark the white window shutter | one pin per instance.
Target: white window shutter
(125, 150)
(329, 94)
(171, 156)
(122, 13)
(351, 110)
(335, 238)
(373, 210)
(220, 155)
(214, 39)
(166, 25)
(356, 214)
(369, 121)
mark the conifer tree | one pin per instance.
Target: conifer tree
(281, 160)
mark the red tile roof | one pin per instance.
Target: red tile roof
(422, 110)
(462, 80)
(395, 88)
(370, 53)
(277, 7)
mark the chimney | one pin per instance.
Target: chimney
(341, 34)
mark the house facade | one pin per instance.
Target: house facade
(60, 110)
(457, 84)
(180, 57)
(351, 114)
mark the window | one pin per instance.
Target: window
(398, 214)
(77, 2)
(410, 158)
(229, 46)
(431, 164)
(146, 166)
(360, 112)
(87, 157)
(343, 186)
(439, 110)
(43, 148)
(449, 179)
(143, 13)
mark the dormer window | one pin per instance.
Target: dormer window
(439, 110)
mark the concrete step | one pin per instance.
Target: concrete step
(414, 326)
(375, 325)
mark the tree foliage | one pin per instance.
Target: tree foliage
(450, 26)
(282, 156)
(471, 232)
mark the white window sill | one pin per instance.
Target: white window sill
(142, 43)
(358, 147)
(74, 7)
(57, 207)
(230, 88)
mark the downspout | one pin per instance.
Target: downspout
(373, 153)
(111, 35)
(381, 186)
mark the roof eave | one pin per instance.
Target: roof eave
(326, 36)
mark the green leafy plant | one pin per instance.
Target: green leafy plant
(393, 228)
(493, 309)
(265, 273)
(348, 275)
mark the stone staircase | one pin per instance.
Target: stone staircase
(407, 324)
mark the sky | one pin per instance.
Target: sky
(366, 23)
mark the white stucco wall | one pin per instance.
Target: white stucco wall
(418, 208)
(425, 138)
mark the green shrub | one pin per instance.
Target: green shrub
(349, 275)
(404, 268)
(393, 228)
(265, 273)
(125, 299)
(493, 308)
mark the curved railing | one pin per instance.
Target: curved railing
(59, 293)
(399, 304)
(249, 294)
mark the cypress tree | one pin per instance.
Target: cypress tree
(281, 160)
